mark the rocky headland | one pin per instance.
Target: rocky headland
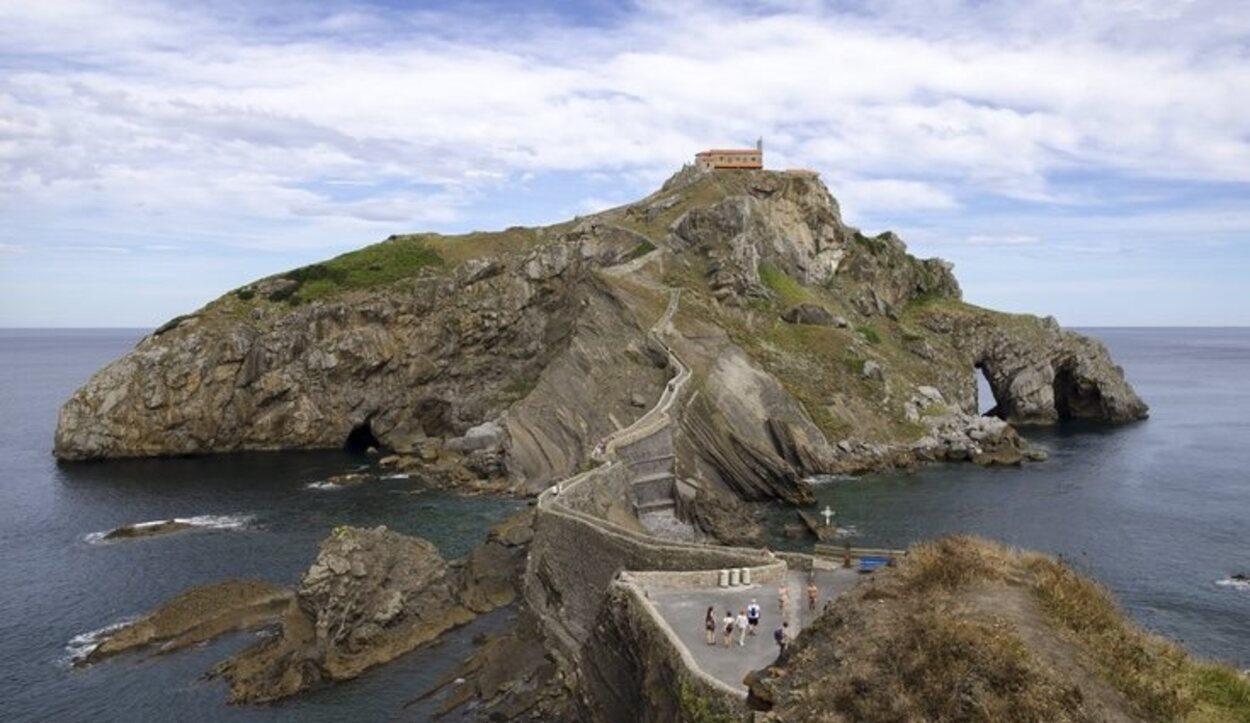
(646, 371)
(503, 358)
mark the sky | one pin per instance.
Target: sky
(1088, 159)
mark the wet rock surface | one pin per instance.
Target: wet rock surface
(146, 529)
(195, 616)
(370, 596)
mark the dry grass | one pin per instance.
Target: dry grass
(1159, 677)
(968, 630)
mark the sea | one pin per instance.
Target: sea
(1156, 510)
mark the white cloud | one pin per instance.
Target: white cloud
(208, 124)
(197, 115)
(861, 196)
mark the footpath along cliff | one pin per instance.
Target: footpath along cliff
(506, 356)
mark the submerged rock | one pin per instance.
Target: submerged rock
(147, 529)
(195, 616)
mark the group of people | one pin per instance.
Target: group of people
(747, 621)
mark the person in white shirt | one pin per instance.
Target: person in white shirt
(741, 623)
(753, 617)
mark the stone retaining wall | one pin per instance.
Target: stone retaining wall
(640, 673)
(575, 555)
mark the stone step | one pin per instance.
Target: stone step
(636, 462)
(651, 465)
(652, 488)
(656, 505)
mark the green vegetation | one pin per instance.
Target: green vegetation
(642, 249)
(697, 709)
(172, 324)
(381, 263)
(788, 291)
(870, 334)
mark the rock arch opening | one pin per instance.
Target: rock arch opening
(988, 404)
(361, 438)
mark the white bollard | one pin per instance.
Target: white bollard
(746, 576)
(733, 577)
(724, 578)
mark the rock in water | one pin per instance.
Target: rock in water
(147, 529)
(195, 616)
(371, 596)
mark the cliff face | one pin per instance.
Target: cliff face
(813, 348)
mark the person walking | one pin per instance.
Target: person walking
(753, 617)
(709, 624)
(740, 622)
(728, 625)
(783, 599)
(782, 635)
(812, 592)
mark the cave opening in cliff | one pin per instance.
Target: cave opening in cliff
(987, 403)
(361, 438)
(1074, 400)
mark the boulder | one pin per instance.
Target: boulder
(809, 314)
(370, 596)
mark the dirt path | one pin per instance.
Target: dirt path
(1017, 606)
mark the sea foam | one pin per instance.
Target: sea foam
(206, 522)
(82, 645)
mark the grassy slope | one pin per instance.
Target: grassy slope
(968, 630)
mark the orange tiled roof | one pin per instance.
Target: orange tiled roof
(728, 151)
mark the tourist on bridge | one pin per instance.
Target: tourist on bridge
(753, 616)
(728, 625)
(741, 623)
(709, 624)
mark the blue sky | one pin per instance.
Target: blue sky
(1088, 159)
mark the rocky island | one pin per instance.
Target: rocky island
(646, 372)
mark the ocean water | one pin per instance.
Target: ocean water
(262, 515)
(1156, 510)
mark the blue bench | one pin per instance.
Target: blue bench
(868, 564)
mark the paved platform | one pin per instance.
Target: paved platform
(684, 611)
